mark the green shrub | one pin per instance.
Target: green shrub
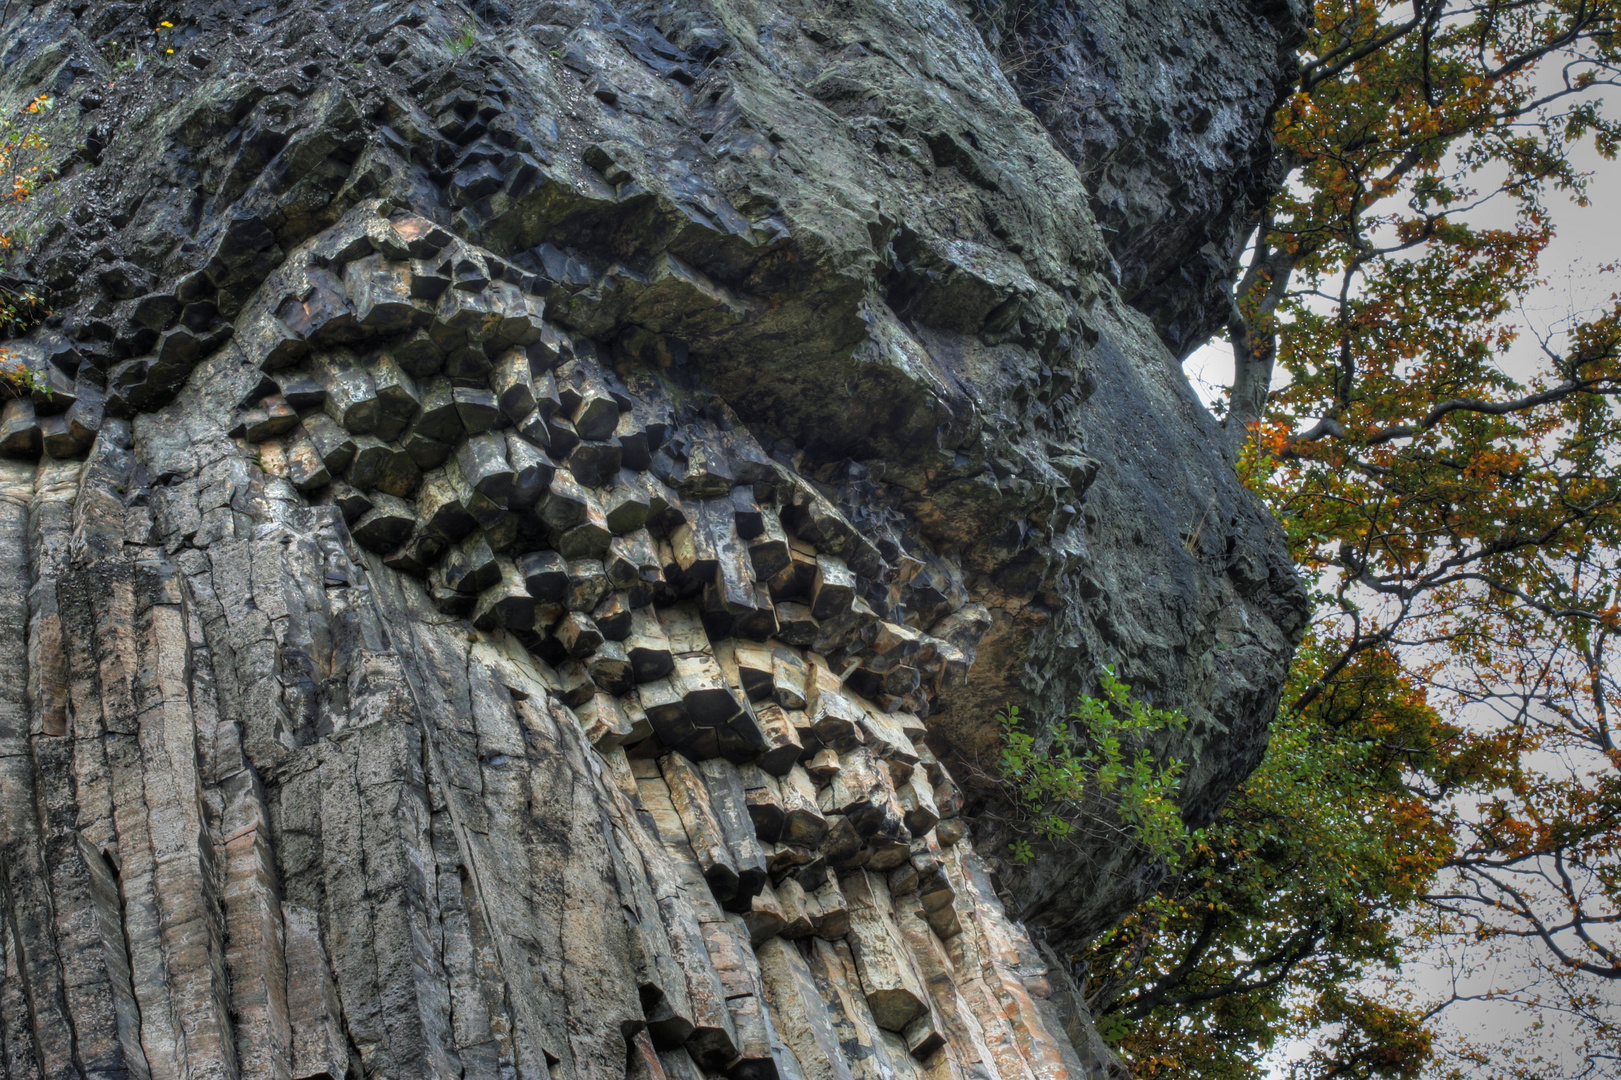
(1054, 784)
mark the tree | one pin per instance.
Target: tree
(1266, 930)
(1444, 767)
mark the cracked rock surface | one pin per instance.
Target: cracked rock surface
(526, 520)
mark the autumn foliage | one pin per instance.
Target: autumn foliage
(1443, 777)
(22, 170)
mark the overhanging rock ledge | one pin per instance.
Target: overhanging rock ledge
(526, 520)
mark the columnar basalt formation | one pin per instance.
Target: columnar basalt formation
(523, 519)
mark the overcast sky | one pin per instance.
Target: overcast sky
(1587, 238)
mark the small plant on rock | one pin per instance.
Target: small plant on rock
(1052, 782)
(463, 43)
(17, 379)
(22, 170)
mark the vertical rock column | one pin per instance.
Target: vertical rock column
(503, 723)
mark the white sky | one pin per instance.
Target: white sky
(1586, 239)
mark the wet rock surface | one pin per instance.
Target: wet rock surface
(527, 519)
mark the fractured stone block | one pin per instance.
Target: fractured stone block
(587, 584)
(740, 739)
(398, 398)
(729, 803)
(893, 987)
(917, 804)
(596, 414)
(833, 715)
(514, 384)
(441, 502)
(595, 464)
(787, 859)
(626, 507)
(438, 418)
(765, 918)
(476, 407)
(648, 647)
(860, 791)
(382, 466)
(301, 391)
(707, 474)
(763, 801)
(685, 629)
(633, 442)
(710, 701)
(533, 429)
(471, 565)
(351, 396)
(801, 1012)
(769, 550)
(578, 634)
(532, 472)
(382, 295)
(690, 794)
(832, 911)
(386, 525)
(483, 462)
(796, 625)
(665, 709)
(561, 437)
(783, 746)
(610, 669)
(759, 622)
(803, 821)
(796, 580)
(633, 566)
(418, 355)
(272, 417)
(754, 669)
(696, 550)
(613, 616)
(577, 687)
(306, 471)
(566, 504)
(545, 574)
(351, 504)
(590, 538)
(604, 722)
(823, 765)
(506, 603)
(833, 590)
(321, 316)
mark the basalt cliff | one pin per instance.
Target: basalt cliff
(519, 520)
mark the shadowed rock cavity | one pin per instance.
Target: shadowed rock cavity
(526, 521)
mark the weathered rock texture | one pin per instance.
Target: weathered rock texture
(1166, 109)
(526, 520)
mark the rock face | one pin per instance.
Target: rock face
(1166, 111)
(523, 520)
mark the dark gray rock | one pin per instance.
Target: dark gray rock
(1166, 109)
(305, 776)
